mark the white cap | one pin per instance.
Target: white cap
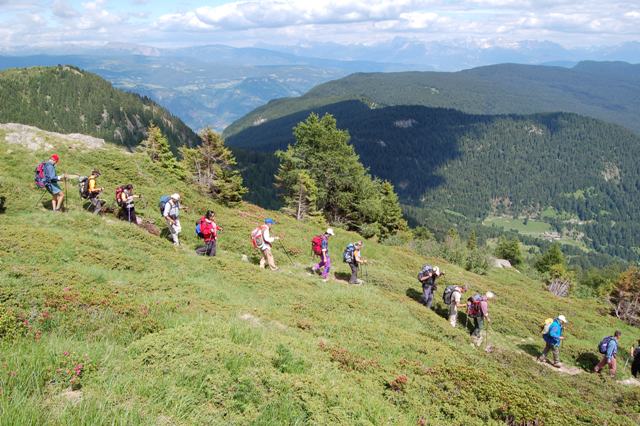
(562, 318)
(176, 196)
(330, 231)
(490, 295)
(436, 271)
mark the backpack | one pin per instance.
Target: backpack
(544, 328)
(347, 255)
(163, 202)
(426, 269)
(256, 236)
(448, 292)
(39, 178)
(199, 234)
(604, 345)
(83, 187)
(474, 309)
(316, 245)
(119, 191)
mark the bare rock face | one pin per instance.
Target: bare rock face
(501, 263)
(39, 140)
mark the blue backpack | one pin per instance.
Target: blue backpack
(347, 255)
(604, 345)
(163, 202)
(198, 233)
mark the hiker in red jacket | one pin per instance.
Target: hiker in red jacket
(209, 230)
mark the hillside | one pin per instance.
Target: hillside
(479, 165)
(69, 100)
(609, 91)
(162, 336)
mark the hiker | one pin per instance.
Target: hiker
(608, 347)
(262, 240)
(172, 216)
(51, 180)
(209, 231)
(352, 256)
(125, 198)
(427, 277)
(478, 309)
(325, 260)
(552, 338)
(94, 192)
(452, 296)
(635, 364)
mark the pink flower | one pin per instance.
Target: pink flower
(65, 353)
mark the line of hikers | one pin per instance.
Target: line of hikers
(552, 334)
(46, 177)
(477, 306)
(262, 240)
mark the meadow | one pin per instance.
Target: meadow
(102, 322)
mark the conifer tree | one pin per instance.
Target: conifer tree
(212, 168)
(472, 242)
(156, 146)
(345, 192)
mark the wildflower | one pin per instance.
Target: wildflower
(65, 353)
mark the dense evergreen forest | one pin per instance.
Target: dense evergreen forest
(66, 99)
(606, 90)
(478, 165)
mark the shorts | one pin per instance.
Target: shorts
(53, 188)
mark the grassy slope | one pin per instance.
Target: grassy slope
(179, 339)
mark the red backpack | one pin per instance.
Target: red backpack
(474, 309)
(316, 244)
(119, 190)
(39, 178)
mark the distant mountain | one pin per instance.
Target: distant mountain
(477, 166)
(606, 90)
(205, 85)
(454, 55)
(66, 99)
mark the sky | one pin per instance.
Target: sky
(161, 23)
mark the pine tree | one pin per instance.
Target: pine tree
(156, 146)
(344, 191)
(553, 256)
(212, 168)
(472, 242)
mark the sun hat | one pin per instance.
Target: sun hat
(330, 231)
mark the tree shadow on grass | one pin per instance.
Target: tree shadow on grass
(3, 204)
(531, 348)
(587, 360)
(342, 276)
(415, 295)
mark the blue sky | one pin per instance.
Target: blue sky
(244, 23)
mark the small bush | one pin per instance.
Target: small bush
(286, 362)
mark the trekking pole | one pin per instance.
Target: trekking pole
(286, 252)
(41, 197)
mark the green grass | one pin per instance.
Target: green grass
(166, 337)
(532, 227)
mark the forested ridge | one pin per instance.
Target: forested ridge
(606, 90)
(66, 99)
(480, 165)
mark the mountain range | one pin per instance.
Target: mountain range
(604, 90)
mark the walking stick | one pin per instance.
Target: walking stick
(286, 252)
(66, 192)
(41, 197)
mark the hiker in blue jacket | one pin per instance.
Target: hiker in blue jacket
(609, 353)
(552, 341)
(52, 182)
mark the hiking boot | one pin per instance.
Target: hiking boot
(541, 359)
(556, 364)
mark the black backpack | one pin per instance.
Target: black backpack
(426, 269)
(448, 292)
(83, 187)
(347, 255)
